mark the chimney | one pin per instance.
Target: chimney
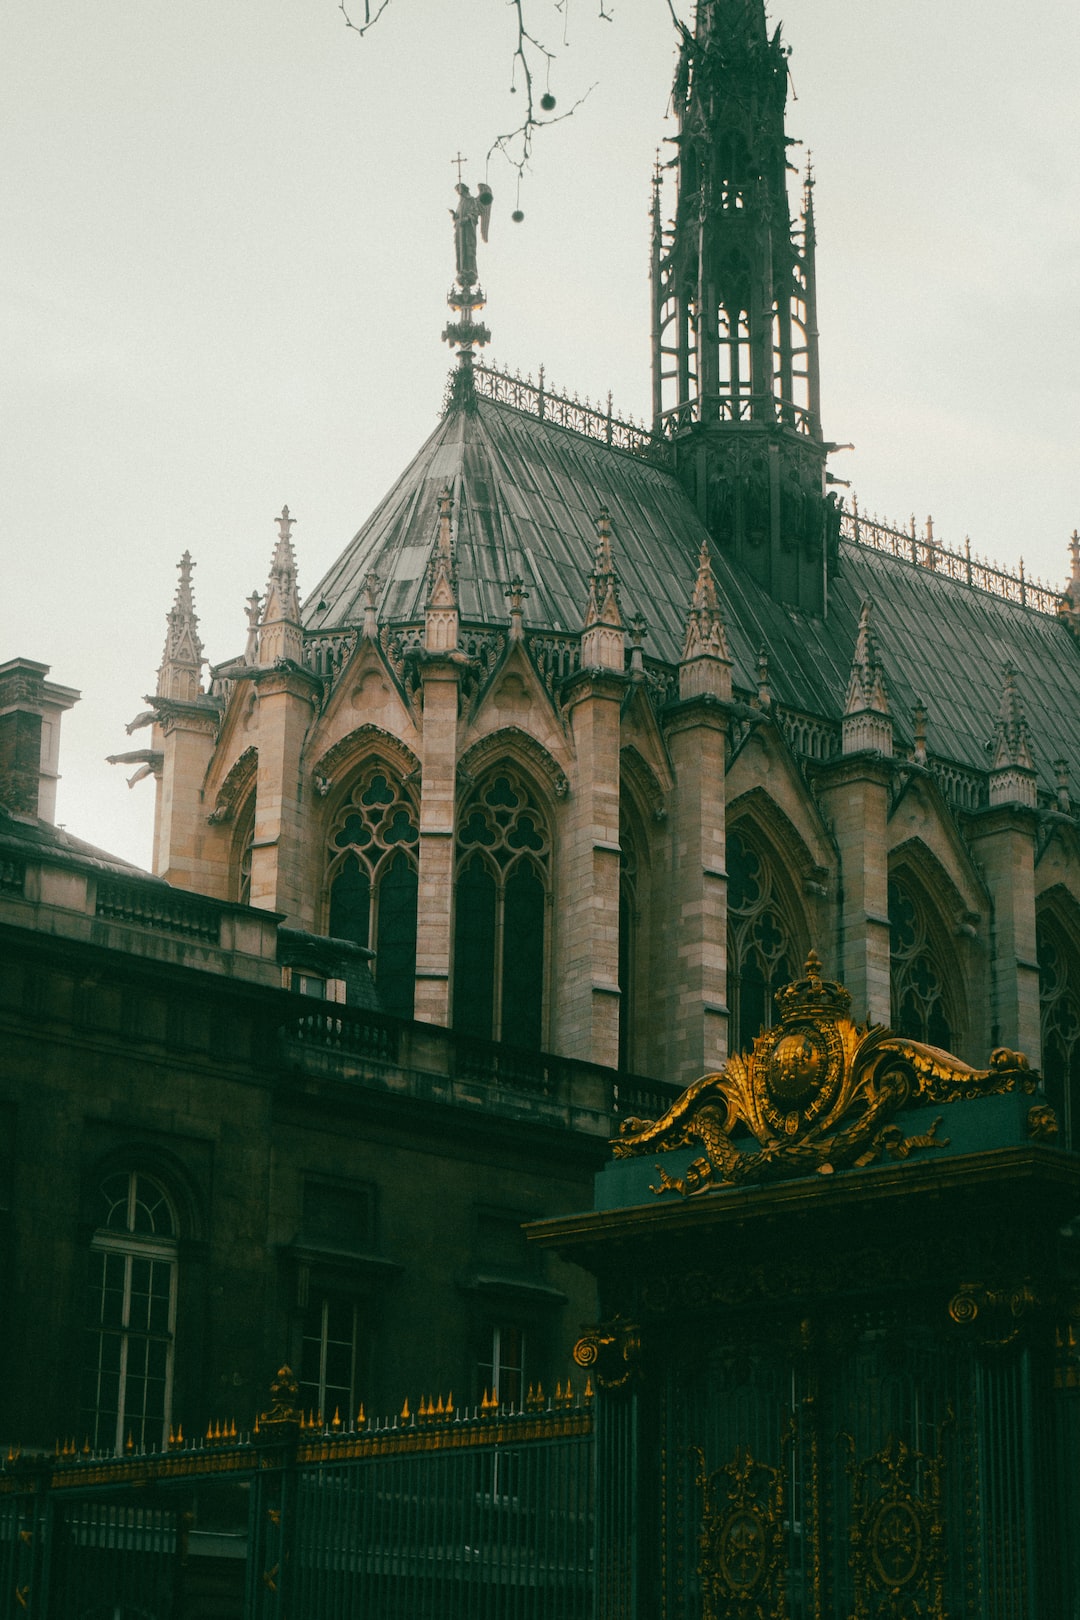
(30, 712)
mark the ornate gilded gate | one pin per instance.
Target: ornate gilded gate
(838, 1359)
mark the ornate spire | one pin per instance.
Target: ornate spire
(441, 622)
(866, 723)
(705, 666)
(470, 215)
(1069, 606)
(602, 641)
(179, 676)
(281, 637)
(734, 319)
(1012, 776)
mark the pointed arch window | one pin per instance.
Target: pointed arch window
(500, 913)
(630, 935)
(919, 995)
(130, 1314)
(244, 844)
(762, 949)
(1059, 999)
(373, 880)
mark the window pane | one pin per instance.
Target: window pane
(474, 950)
(523, 958)
(395, 962)
(350, 903)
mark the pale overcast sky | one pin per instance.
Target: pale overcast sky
(227, 249)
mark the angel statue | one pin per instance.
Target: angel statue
(469, 212)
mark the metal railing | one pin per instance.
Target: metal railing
(443, 1513)
(594, 422)
(925, 551)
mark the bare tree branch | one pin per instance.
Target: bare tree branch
(369, 19)
(530, 55)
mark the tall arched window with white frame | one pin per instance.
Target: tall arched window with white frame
(500, 912)
(372, 880)
(130, 1314)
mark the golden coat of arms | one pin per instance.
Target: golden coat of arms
(818, 1093)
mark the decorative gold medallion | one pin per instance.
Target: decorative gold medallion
(742, 1541)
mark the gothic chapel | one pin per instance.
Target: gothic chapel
(593, 731)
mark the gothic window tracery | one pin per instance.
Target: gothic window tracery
(373, 879)
(503, 876)
(919, 994)
(1059, 1001)
(762, 949)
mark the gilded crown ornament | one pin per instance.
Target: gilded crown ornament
(818, 1093)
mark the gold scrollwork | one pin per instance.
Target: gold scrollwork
(898, 1531)
(997, 1314)
(817, 1093)
(741, 1541)
(1042, 1124)
(612, 1350)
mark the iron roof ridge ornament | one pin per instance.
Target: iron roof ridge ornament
(818, 1093)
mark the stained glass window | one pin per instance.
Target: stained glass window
(920, 1002)
(499, 913)
(130, 1315)
(373, 880)
(628, 939)
(762, 954)
(1059, 997)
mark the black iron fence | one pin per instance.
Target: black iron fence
(445, 1514)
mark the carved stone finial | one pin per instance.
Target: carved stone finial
(371, 604)
(441, 616)
(253, 610)
(1012, 777)
(517, 596)
(764, 696)
(180, 675)
(602, 641)
(639, 629)
(281, 638)
(705, 666)
(1064, 802)
(866, 723)
(918, 749)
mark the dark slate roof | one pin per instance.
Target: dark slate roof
(42, 840)
(526, 496)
